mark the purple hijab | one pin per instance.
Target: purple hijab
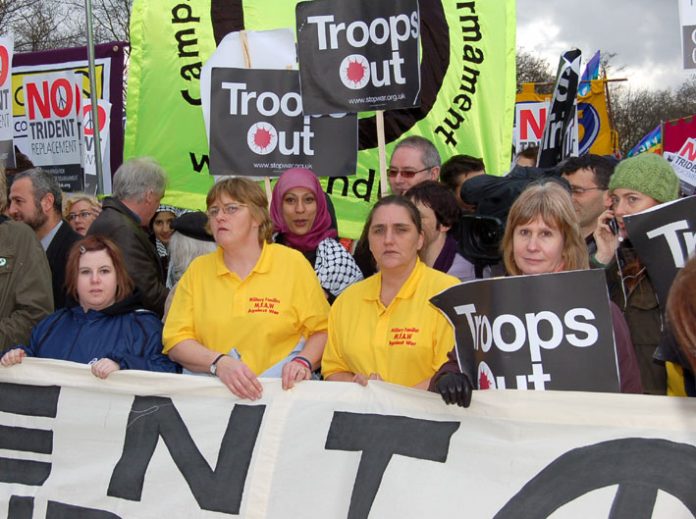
(321, 228)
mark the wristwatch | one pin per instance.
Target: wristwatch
(213, 366)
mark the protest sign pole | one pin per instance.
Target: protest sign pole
(93, 98)
(381, 146)
(244, 39)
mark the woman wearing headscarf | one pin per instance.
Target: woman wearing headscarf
(301, 220)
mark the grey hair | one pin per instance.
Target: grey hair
(182, 251)
(43, 183)
(431, 157)
(135, 177)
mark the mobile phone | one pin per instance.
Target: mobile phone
(614, 226)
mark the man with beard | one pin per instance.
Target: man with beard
(588, 177)
(36, 199)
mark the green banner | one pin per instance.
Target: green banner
(467, 74)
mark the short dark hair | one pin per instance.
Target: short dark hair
(530, 152)
(602, 167)
(401, 201)
(124, 283)
(438, 198)
(458, 165)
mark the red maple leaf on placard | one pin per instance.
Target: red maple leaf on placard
(484, 383)
(355, 71)
(262, 138)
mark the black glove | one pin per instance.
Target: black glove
(455, 388)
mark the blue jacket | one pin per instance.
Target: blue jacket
(124, 333)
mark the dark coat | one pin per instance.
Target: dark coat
(123, 332)
(121, 225)
(25, 282)
(57, 254)
(644, 317)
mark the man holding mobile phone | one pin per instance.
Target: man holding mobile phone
(589, 177)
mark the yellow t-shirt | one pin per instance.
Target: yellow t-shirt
(405, 343)
(263, 316)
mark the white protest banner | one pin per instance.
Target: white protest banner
(530, 119)
(89, 164)
(549, 331)
(358, 56)
(151, 445)
(687, 19)
(53, 111)
(7, 155)
(684, 165)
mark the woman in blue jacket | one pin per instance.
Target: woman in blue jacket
(108, 328)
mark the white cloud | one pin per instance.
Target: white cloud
(644, 35)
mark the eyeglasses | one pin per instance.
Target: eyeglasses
(83, 215)
(577, 190)
(406, 173)
(228, 209)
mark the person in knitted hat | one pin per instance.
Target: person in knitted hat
(638, 183)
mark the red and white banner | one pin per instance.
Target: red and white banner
(684, 164)
(530, 119)
(151, 445)
(7, 157)
(88, 140)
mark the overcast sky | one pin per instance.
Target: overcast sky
(644, 34)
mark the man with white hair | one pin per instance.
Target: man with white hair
(138, 187)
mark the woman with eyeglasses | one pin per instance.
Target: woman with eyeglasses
(250, 308)
(302, 221)
(638, 183)
(385, 328)
(80, 210)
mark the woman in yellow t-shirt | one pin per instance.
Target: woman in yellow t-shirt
(251, 305)
(385, 328)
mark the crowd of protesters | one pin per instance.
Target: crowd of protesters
(250, 289)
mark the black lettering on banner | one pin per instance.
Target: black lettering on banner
(379, 437)
(21, 507)
(217, 490)
(198, 165)
(56, 510)
(471, 32)
(639, 466)
(27, 401)
(187, 47)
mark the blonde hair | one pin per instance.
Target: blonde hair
(73, 198)
(246, 192)
(553, 204)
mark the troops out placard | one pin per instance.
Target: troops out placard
(549, 331)
(664, 238)
(358, 56)
(257, 127)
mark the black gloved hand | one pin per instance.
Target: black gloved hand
(455, 388)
